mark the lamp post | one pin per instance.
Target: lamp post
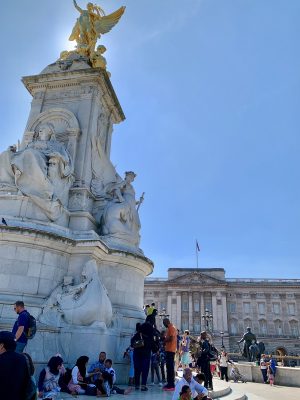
(162, 315)
(207, 318)
(222, 335)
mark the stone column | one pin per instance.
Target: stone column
(190, 311)
(224, 308)
(178, 323)
(202, 309)
(214, 312)
(169, 303)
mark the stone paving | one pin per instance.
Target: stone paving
(253, 391)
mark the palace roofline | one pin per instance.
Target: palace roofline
(236, 280)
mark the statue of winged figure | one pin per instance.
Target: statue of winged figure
(91, 23)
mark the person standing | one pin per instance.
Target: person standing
(142, 343)
(21, 326)
(185, 348)
(263, 367)
(204, 360)
(170, 349)
(14, 373)
(223, 364)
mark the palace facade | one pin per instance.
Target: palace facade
(271, 307)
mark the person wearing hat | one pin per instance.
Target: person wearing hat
(14, 373)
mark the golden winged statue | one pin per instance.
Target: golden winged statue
(91, 23)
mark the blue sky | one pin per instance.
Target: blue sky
(210, 90)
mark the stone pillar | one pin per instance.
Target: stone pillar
(214, 312)
(169, 303)
(178, 323)
(202, 309)
(224, 308)
(190, 311)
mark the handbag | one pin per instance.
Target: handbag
(139, 343)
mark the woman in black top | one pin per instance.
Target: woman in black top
(142, 355)
(203, 360)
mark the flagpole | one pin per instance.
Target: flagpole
(196, 248)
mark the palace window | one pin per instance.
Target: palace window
(232, 307)
(276, 308)
(247, 323)
(261, 308)
(263, 327)
(278, 327)
(185, 305)
(196, 305)
(294, 327)
(233, 327)
(246, 307)
(197, 326)
(291, 309)
(185, 325)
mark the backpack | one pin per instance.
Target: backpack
(213, 353)
(31, 331)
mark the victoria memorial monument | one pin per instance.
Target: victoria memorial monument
(70, 249)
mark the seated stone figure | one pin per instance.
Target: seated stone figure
(43, 172)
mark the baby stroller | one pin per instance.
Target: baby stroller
(236, 375)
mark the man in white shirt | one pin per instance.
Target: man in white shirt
(188, 380)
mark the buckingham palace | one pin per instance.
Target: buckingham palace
(205, 299)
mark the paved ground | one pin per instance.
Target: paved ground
(254, 391)
(268, 392)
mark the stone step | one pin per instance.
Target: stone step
(233, 394)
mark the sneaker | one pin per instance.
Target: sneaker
(160, 384)
(144, 389)
(151, 384)
(168, 388)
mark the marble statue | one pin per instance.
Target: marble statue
(43, 172)
(91, 23)
(85, 304)
(247, 339)
(106, 182)
(121, 219)
(7, 177)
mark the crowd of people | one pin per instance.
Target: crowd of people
(165, 353)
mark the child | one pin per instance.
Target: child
(129, 355)
(109, 385)
(155, 359)
(185, 393)
(271, 376)
(223, 365)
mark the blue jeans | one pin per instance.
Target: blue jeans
(20, 347)
(264, 374)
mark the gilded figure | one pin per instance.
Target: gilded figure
(91, 23)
